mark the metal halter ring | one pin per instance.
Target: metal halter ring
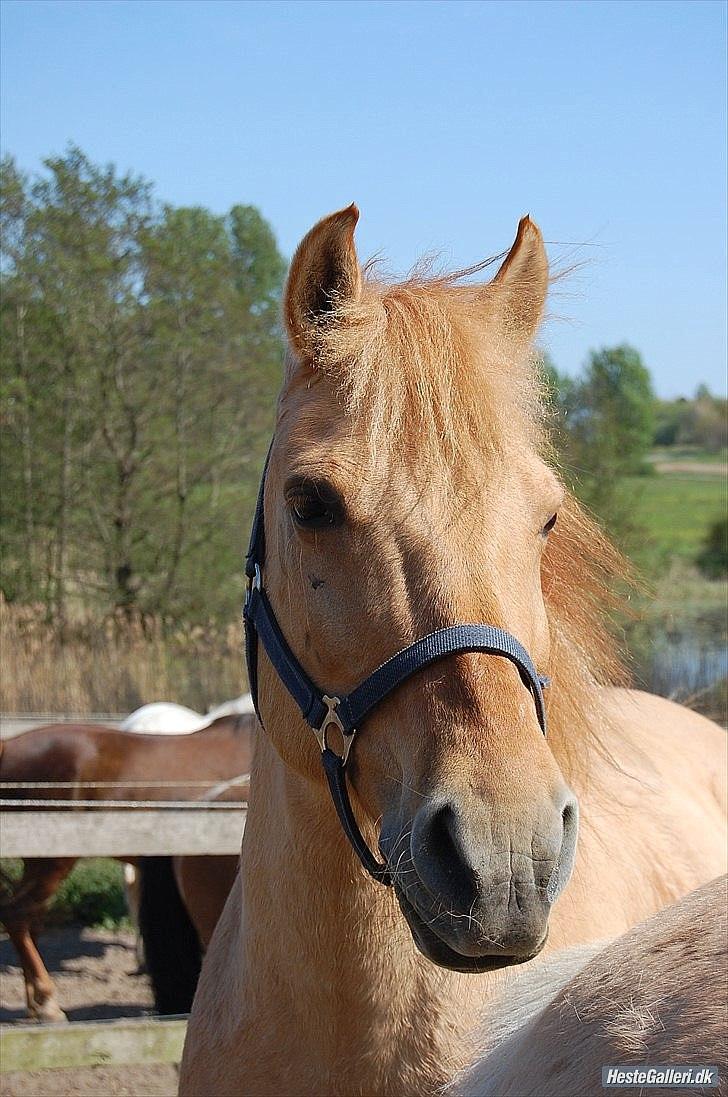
(255, 582)
(332, 717)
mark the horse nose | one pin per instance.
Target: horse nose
(510, 873)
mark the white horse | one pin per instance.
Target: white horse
(167, 718)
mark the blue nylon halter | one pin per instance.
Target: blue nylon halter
(347, 713)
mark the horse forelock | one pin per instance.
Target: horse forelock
(422, 363)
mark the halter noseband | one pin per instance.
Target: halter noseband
(347, 713)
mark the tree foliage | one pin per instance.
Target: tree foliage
(602, 427)
(713, 557)
(701, 422)
(141, 351)
(141, 357)
(613, 411)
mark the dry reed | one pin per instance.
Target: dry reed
(113, 665)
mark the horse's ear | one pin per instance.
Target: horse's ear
(521, 283)
(324, 272)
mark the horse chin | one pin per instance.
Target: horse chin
(432, 946)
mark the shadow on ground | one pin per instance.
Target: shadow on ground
(95, 972)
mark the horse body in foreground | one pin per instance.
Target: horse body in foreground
(655, 995)
(405, 492)
(100, 763)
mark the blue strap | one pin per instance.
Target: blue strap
(356, 706)
(335, 771)
(454, 640)
(261, 620)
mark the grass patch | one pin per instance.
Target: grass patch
(91, 895)
(677, 509)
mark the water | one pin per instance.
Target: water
(686, 664)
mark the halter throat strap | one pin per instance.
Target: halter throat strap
(348, 712)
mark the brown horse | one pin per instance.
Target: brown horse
(655, 995)
(99, 763)
(407, 490)
(181, 900)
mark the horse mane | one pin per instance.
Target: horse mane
(434, 357)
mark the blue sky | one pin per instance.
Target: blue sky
(444, 121)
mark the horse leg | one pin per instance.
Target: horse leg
(132, 894)
(40, 991)
(204, 884)
(41, 879)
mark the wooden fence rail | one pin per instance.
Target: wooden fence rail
(129, 831)
(122, 832)
(129, 1042)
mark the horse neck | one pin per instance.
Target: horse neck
(346, 968)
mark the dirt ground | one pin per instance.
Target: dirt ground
(698, 468)
(96, 975)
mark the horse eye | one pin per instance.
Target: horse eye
(315, 508)
(549, 525)
(312, 513)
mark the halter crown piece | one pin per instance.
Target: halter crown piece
(320, 710)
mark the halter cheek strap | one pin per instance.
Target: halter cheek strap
(321, 710)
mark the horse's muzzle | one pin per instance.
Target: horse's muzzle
(477, 893)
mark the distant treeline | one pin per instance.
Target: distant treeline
(141, 357)
(605, 422)
(701, 422)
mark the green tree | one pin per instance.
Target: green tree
(713, 557)
(603, 425)
(215, 350)
(611, 426)
(140, 358)
(669, 418)
(68, 295)
(614, 410)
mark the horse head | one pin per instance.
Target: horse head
(406, 492)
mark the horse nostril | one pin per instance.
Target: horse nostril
(440, 857)
(565, 863)
(570, 820)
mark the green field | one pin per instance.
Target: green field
(677, 508)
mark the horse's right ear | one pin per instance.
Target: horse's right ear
(324, 271)
(522, 282)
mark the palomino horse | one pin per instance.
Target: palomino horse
(97, 763)
(655, 995)
(406, 492)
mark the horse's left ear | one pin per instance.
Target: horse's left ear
(324, 272)
(522, 281)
